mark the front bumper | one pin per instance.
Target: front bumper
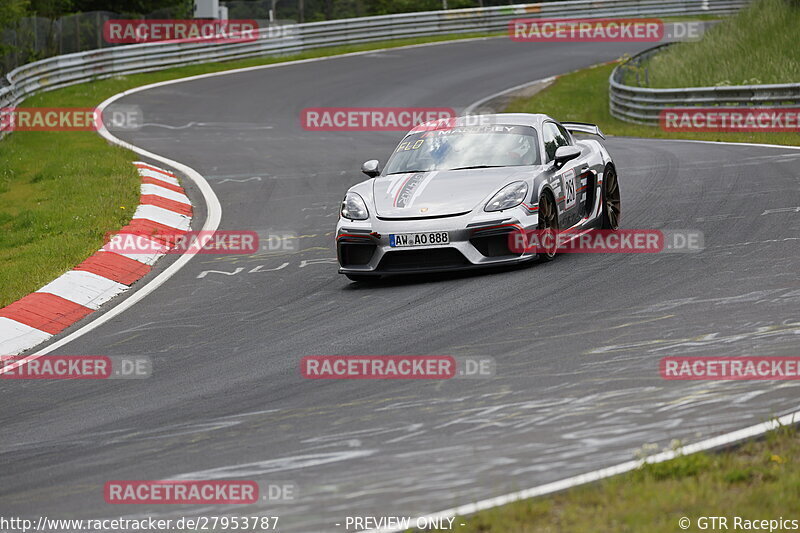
(476, 240)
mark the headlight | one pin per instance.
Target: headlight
(509, 196)
(353, 207)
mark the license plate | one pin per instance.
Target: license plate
(402, 240)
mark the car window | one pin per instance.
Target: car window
(564, 135)
(553, 138)
(465, 147)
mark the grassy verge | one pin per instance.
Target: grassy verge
(60, 192)
(758, 46)
(757, 480)
(583, 96)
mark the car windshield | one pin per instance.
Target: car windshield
(465, 147)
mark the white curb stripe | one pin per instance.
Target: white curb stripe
(149, 188)
(161, 171)
(84, 288)
(17, 337)
(144, 243)
(163, 216)
(147, 173)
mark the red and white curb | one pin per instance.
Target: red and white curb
(31, 320)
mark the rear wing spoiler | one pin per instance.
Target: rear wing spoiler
(583, 127)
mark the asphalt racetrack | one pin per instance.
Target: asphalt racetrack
(577, 342)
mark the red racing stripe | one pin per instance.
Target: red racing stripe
(45, 312)
(162, 183)
(152, 230)
(166, 203)
(115, 267)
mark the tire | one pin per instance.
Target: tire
(548, 222)
(610, 197)
(361, 277)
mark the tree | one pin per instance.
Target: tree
(51, 9)
(142, 7)
(11, 11)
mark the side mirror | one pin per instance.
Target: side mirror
(371, 168)
(566, 153)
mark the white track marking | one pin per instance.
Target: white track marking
(757, 145)
(475, 105)
(596, 475)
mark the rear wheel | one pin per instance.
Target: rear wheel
(548, 227)
(611, 200)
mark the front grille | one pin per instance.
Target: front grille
(409, 260)
(495, 245)
(355, 254)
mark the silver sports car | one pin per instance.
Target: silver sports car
(452, 193)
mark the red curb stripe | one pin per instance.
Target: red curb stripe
(166, 203)
(45, 312)
(161, 183)
(115, 267)
(154, 169)
(160, 233)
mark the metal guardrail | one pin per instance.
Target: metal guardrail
(60, 71)
(641, 105)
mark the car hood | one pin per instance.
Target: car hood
(440, 192)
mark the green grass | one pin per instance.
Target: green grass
(583, 96)
(60, 192)
(757, 480)
(758, 46)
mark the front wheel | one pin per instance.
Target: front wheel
(611, 200)
(548, 227)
